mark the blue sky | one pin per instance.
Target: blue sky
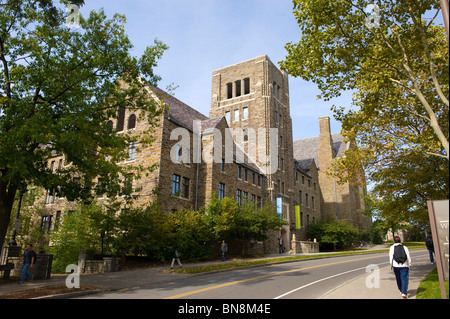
(204, 35)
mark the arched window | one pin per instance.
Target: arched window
(131, 122)
(110, 124)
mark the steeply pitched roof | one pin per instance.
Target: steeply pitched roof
(308, 149)
(179, 111)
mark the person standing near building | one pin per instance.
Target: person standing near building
(280, 245)
(176, 256)
(224, 249)
(29, 258)
(400, 261)
(430, 246)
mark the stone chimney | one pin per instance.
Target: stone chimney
(325, 143)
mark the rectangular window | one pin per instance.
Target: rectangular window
(48, 197)
(238, 87)
(131, 151)
(185, 187)
(300, 197)
(221, 190)
(46, 224)
(239, 196)
(239, 172)
(312, 202)
(229, 90)
(246, 86)
(245, 113)
(236, 115)
(176, 184)
(222, 165)
(227, 116)
(129, 183)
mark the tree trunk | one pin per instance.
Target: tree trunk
(7, 195)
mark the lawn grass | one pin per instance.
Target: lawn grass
(429, 287)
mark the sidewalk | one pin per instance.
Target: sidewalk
(147, 277)
(357, 288)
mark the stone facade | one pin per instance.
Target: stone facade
(193, 159)
(339, 201)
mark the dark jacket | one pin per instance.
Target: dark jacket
(28, 255)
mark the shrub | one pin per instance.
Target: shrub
(333, 234)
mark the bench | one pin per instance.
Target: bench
(6, 270)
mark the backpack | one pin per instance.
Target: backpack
(429, 242)
(400, 254)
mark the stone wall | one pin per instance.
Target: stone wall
(88, 263)
(305, 247)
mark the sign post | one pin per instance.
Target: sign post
(439, 220)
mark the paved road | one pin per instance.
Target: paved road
(308, 279)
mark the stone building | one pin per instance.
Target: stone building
(244, 150)
(339, 201)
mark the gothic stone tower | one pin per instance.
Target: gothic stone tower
(254, 94)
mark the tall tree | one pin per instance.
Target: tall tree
(59, 85)
(396, 63)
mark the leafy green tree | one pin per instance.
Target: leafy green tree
(143, 231)
(396, 63)
(191, 233)
(79, 229)
(220, 215)
(394, 60)
(331, 233)
(243, 223)
(58, 88)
